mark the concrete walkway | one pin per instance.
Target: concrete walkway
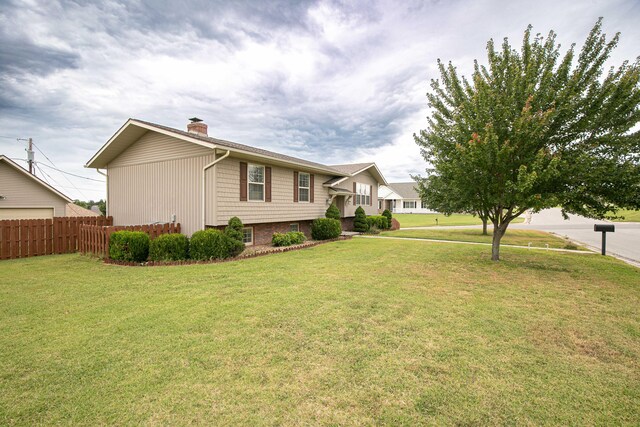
(624, 243)
(476, 243)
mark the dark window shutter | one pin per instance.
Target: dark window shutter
(243, 182)
(295, 186)
(267, 184)
(311, 188)
(371, 195)
(354, 194)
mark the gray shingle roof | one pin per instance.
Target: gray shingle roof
(407, 190)
(350, 169)
(248, 148)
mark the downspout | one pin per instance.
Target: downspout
(106, 198)
(204, 184)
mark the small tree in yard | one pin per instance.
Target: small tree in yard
(360, 221)
(531, 131)
(332, 212)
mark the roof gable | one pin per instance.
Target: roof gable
(407, 190)
(4, 159)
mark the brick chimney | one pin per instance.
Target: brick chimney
(197, 126)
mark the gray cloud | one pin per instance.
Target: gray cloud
(332, 81)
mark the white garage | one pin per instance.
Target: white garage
(26, 213)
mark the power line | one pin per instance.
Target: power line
(65, 176)
(69, 173)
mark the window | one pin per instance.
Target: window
(423, 204)
(379, 204)
(255, 177)
(363, 194)
(303, 187)
(247, 235)
(294, 227)
(409, 205)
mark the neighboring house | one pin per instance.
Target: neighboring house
(25, 196)
(401, 197)
(75, 210)
(160, 174)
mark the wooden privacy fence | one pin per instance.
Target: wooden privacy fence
(94, 239)
(21, 238)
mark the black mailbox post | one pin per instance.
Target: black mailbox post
(604, 229)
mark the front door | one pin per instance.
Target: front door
(339, 201)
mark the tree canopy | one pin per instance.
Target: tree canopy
(534, 129)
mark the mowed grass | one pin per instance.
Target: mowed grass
(429, 220)
(365, 331)
(629, 215)
(512, 237)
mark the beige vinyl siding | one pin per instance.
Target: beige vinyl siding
(20, 191)
(152, 192)
(155, 147)
(281, 208)
(363, 178)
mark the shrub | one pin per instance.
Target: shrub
(387, 214)
(373, 229)
(129, 246)
(211, 244)
(234, 232)
(281, 239)
(378, 221)
(325, 228)
(332, 212)
(360, 221)
(298, 237)
(287, 239)
(169, 247)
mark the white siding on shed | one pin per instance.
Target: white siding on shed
(21, 191)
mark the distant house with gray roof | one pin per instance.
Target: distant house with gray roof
(401, 197)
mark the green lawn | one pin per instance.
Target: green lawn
(365, 331)
(429, 220)
(512, 237)
(629, 215)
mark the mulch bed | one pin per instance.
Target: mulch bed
(251, 252)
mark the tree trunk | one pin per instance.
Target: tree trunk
(484, 226)
(498, 232)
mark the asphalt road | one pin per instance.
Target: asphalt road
(624, 242)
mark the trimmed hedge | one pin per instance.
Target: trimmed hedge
(169, 247)
(287, 239)
(360, 221)
(211, 244)
(378, 221)
(387, 214)
(234, 232)
(325, 228)
(332, 212)
(132, 246)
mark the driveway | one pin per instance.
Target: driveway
(624, 242)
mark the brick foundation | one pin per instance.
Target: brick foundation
(262, 233)
(347, 223)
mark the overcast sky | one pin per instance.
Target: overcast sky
(333, 82)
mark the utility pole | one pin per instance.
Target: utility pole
(30, 156)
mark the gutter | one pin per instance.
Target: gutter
(106, 177)
(204, 183)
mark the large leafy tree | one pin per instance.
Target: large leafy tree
(535, 129)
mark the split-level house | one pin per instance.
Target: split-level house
(401, 197)
(158, 174)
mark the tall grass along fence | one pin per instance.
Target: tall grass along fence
(94, 239)
(21, 238)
